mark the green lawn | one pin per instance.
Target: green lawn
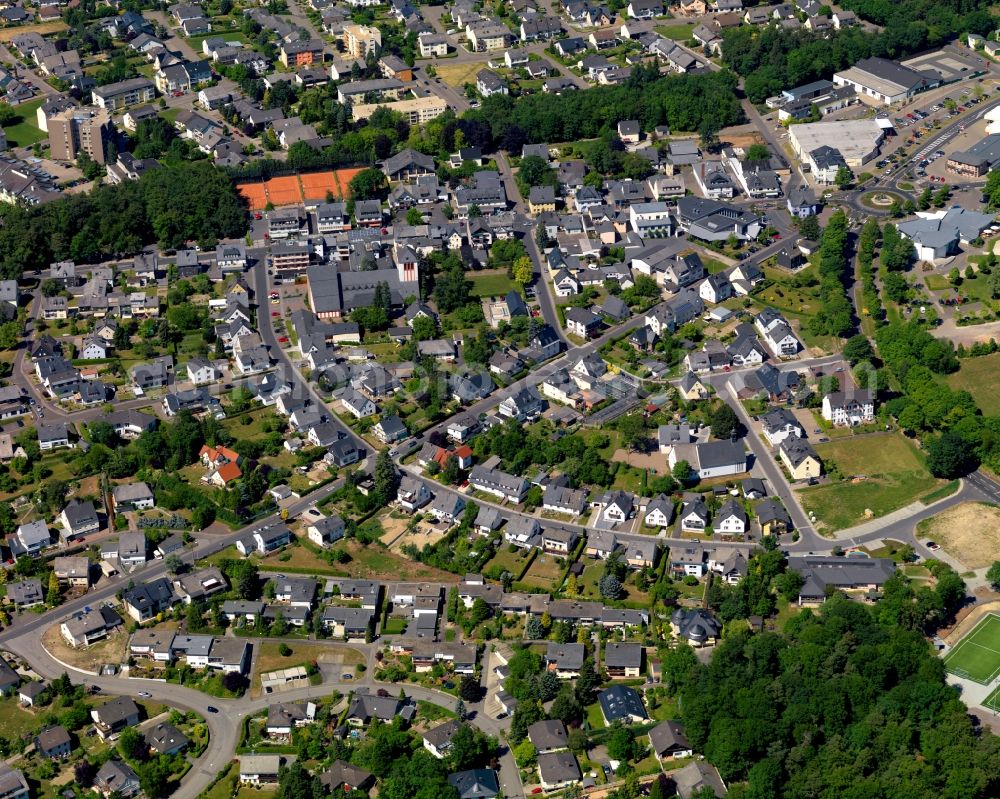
(595, 718)
(976, 289)
(545, 570)
(16, 722)
(713, 265)
(592, 573)
(977, 655)
(981, 378)
(894, 476)
(935, 282)
(490, 285)
(679, 32)
(394, 627)
(512, 562)
(25, 131)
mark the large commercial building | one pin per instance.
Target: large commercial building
(978, 159)
(879, 81)
(855, 140)
(80, 130)
(937, 234)
(333, 294)
(416, 111)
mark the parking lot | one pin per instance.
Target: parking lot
(919, 126)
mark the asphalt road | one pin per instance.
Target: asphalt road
(301, 388)
(543, 286)
(225, 723)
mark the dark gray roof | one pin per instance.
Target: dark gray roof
(623, 655)
(621, 702)
(558, 767)
(666, 736)
(549, 734)
(479, 783)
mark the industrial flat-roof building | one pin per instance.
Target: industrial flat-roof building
(879, 81)
(825, 147)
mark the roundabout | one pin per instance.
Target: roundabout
(881, 200)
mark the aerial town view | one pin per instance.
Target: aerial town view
(490, 399)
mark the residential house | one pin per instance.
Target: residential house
(694, 514)
(412, 494)
(622, 703)
(659, 511)
(145, 600)
(114, 716)
(668, 741)
(772, 518)
(79, 518)
(696, 626)
(116, 778)
(801, 460)
(548, 736)
(849, 409)
(624, 660)
(731, 518)
(53, 743)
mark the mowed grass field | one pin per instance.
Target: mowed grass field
(679, 32)
(25, 131)
(894, 476)
(492, 284)
(977, 656)
(981, 378)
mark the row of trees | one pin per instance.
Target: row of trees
(835, 316)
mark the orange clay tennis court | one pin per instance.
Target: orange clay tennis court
(293, 189)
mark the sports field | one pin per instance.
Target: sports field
(296, 189)
(977, 656)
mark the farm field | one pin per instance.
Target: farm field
(894, 475)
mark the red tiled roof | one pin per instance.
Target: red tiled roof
(228, 472)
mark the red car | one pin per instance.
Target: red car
(275, 313)
(283, 340)
(257, 215)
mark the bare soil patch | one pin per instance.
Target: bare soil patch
(110, 650)
(641, 460)
(969, 532)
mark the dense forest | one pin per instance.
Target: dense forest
(188, 202)
(772, 58)
(847, 703)
(704, 103)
